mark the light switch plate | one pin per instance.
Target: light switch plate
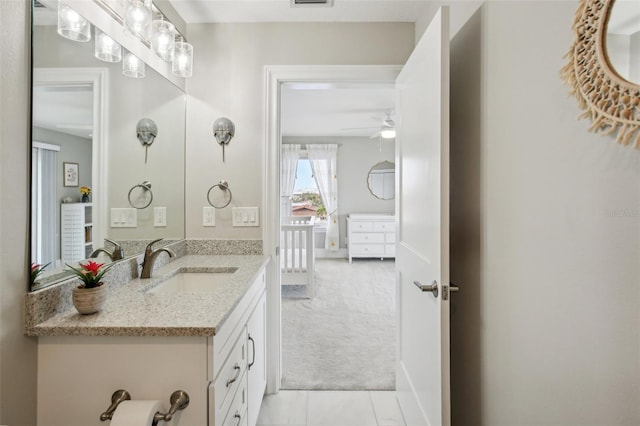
(208, 216)
(159, 217)
(246, 216)
(124, 218)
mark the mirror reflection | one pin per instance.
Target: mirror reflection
(623, 39)
(381, 180)
(86, 155)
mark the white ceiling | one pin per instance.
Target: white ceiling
(322, 109)
(64, 108)
(200, 11)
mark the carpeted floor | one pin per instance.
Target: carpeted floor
(345, 337)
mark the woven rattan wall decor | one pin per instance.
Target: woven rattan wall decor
(612, 102)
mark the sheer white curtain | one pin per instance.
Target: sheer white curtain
(323, 159)
(288, 167)
(44, 204)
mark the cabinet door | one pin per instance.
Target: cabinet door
(257, 374)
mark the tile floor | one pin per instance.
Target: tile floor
(330, 408)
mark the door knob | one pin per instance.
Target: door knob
(433, 288)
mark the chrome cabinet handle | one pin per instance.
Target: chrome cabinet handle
(237, 368)
(433, 288)
(238, 418)
(253, 345)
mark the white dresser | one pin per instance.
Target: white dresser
(371, 235)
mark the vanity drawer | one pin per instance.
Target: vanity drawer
(237, 414)
(384, 226)
(361, 226)
(231, 378)
(373, 250)
(367, 238)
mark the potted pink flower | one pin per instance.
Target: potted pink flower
(90, 297)
(36, 270)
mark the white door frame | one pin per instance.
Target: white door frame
(274, 77)
(99, 78)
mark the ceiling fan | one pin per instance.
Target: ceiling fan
(387, 130)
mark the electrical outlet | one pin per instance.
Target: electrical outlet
(159, 216)
(208, 216)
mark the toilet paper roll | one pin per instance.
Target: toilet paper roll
(136, 413)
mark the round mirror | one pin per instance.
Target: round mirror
(623, 39)
(382, 180)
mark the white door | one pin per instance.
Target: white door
(422, 215)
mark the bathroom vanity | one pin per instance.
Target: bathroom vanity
(198, 325)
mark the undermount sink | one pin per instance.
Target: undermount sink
(193, 282)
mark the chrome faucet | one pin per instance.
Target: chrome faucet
(116, 254)
(150, 256)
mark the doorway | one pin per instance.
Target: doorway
(276, 77)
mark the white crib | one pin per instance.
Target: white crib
(296, 251)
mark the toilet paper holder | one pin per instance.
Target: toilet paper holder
(179, 401)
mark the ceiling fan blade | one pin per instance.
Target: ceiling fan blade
(360, 128)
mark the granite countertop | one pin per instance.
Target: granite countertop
(130, 311)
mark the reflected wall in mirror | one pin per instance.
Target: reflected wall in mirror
(623, 39)
(85, 111)
(381, 180)
(610, 100)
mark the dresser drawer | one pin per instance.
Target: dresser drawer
(390, 250)
(361, 226)
(384, 226)
(371, 250)
(231, 377)
(364, 238)
(390, 238)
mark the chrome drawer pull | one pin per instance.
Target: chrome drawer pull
(237, 368)
(253, 344)
(238, 418)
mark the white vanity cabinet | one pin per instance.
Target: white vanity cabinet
(371, 235)
(223, 374)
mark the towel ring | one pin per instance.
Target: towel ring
(146, 186)
(223, 185)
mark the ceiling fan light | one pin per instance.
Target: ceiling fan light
(388, 133)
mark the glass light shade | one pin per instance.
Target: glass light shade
(183, 59)
(388, 133)
(106, 49)
(132, 66)
(163, 39)
(71, 25)
(137, 19)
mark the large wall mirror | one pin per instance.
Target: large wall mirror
(84, 118)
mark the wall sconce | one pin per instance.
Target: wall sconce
(146, 131)
(223, 131)
(71, 25)
(106, 49)
(163, 39)
(132, 66)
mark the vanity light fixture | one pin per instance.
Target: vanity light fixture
(106, 48)
(132, 66)
(137, 18)
(71, 25)
(163, 39)
(183, 59)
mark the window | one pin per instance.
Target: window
(306, 200)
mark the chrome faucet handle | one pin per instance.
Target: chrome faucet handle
(118, 252)
(150, 245)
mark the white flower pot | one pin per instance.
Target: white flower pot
(89, 300)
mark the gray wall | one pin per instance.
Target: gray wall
(228, 81)
(17, 352)
(545, 235)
